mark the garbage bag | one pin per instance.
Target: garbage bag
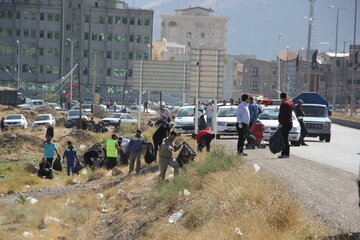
(186, 155)
(57, 164)
(150, 155)
(78, 166)
(276, 142)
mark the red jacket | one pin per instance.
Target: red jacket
(285, 114)
(203, 132)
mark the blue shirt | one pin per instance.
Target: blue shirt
(254, 111)
(135, 144)
(49, 149)
(70, 154)
(242, 113)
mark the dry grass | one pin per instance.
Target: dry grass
(346, 116)
(97, 174)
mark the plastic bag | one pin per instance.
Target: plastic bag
(176, 216)
(186, 155)
(78, 166)
(276, 142)
(150, 155)
(57, 164)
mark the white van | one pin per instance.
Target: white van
(32, 104)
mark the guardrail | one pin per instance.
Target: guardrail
(346, 123)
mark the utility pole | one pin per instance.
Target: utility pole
(79, 92)
(353, 97)
(94, 79)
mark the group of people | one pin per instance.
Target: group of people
(248, 112)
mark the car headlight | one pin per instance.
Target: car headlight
(221, 123)
(327, 125)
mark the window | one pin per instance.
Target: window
(110, 20)
(87, 18)
(132, 21)
(94, 36)
(68, 26)
(9, 32)
(57, 35)
(41, 51)
(41, 68)
(33, 16)
(199, 25)
(96, 4)
(146, 56)
(147, 22)
(140, 21)
(121, 38)
(138, 56)
(108, 72)
(131, 38)
(69, 3)
(50, 17)
(2, 14)
(25, 68)
(101, 19)
(254, 72)
(49, 35)
(9, 14)
(26, 15)
(202, 35)
(117, 20)
(138, 38)
(86, 52)
(254, 86)
(146, 39)
(33, 33)
(48, 69)
(50, 52)
(55, 70)
(109, 37)
(109, 55)
(18, 32)
(124, 20)
(78, 27)
(131, 55)
(86, 36)
(172, 24)
(57, 17)
(274, 72)
(95, 19)
(26, 33)
(124, 55)
(42, 16)
(101, 37)
(117, 55)
(31, 68)
(85, 71)
(41, 34)
(18, 15)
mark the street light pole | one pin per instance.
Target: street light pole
(335, 60)
(18, 65)
(71, 64)
(353, 67)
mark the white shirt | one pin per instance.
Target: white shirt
(242, 113)
(165, 114)
(209, 111)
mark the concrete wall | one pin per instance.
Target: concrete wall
(346, 123)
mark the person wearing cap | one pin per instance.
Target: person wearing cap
(300, 113)
(70, 155)
(112, 148)
(209, 112)
(50, 149)
(135, 148)
(165, 114)
(165, 155)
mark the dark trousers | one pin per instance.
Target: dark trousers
(285, 129)
(50, 161)
(88, 161)
(111, 162)
(205, 141)
(242, 133)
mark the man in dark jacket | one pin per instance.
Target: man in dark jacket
(92, 154)
(285, 122)
(45, 169)
(300, 113)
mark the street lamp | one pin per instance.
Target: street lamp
(18, 64)
(71, 67)
(336, 43)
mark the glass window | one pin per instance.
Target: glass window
(41, 51)
(124, 20)
(9, 50)
(110, 20)
(95, 19)
(131, 38)
(199, 25)
(109, 37)
(57, 51)
(33, 33)
(87, 18)
(41, 34)
(9, 14)
(131, 55)
(139, 21)
(117, 55)
(32, 68)
(94, 36)
(55, 70)
(121, 38)
(132, 21)
(9, 32)
(146, 56)
(42, 16)
(138, 56)
(78, 27)
(33, 16)
(109, 55)
(49, 35)
(202, 35)
(57, 17)
(41, 68)
(57, 35)
(101, 19)
(25, 68)
(2, 49)
(26, 15)
(124, 55)
(18, 32)
(117, 20)
(147, 22)
(49, 52)
(108, 72)
(172, 24)
(26, 33)
(2, 14)
(86, 52)
(18, 15)
(100, 54)
(138, 38)
(48, 69)
(50, 17)
(146, 39)
(101, 37)
(69, 3)
(68, 26)
(86, 36)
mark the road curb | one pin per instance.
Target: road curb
(346, 123)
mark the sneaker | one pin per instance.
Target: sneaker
(283, 156)
(242, 154)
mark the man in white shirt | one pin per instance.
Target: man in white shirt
(209, 113)
(242, 126)
(165, 114)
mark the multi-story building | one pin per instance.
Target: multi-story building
(195, 27)
(105, 35)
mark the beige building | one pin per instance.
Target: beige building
(195, 27)
(171, 51)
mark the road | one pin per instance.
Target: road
(322, 176)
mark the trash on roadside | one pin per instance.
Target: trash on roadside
(186, 193)
(82, 147)
(27, 234)
(44, 230)
(238, 232)
(84, 172)
(176, 216)
(99, 196)
(109, 174)
(104, 210)
(27, 186)
(31, 200)
(256, 167)
(49, 219)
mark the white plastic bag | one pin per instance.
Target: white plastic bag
(176, 216)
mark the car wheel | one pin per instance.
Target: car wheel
(327, 138)
(321, 138)
(218, 136)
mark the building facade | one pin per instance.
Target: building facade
(105, 35)
(195, 27)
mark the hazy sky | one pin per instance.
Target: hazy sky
(256, 24)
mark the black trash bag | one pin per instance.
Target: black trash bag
(150, 155)
(78, 166)
(46, 172)
(57, 164)
(276, 142)
(186, 155)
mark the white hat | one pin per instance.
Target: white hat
(209, 101)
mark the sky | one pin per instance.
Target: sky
(256, 25)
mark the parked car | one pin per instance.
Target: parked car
(226, 121)
(54, 106)
(72, 116)
(135, 109)
(32, 104)
(184, 120)
(269, 118)
(114, 118)
(116, 108)
(44, 120)
(15, 121)
(317, 121)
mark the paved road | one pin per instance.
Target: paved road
(343, 151)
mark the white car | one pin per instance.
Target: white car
(54, 106)
(184, 120)
(226, 121)
(44, 120)
(116, 108)
(116, 118)
(269, 118)
(32, 104)
(15, 120)
(135, 109)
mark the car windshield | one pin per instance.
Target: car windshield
(185, 112)
(75, 113)
(315, 111)
(269, 114)
(86, 106)
(12, 117)
(115, 115)
(42, 118)
(227, 112)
